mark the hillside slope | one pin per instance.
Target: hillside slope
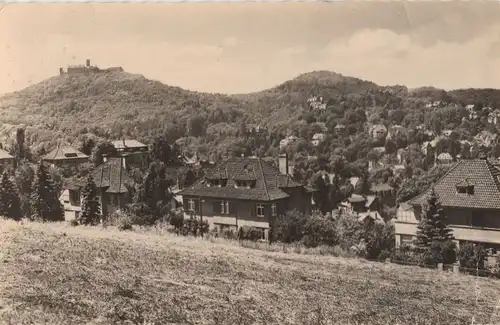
(55, 274)
(119, 104)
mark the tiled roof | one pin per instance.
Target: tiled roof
(269, 183)
(478, 172)
(111, 176)
(62, 153)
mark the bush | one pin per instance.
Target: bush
(439, 252)
(125, 224)
(176, 219)
(73, 223)
(249, 233)
(472, 256)
(403, 255)
(229, 234)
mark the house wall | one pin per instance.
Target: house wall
(461, 233)
(67, 162)
(468, 217)
(241, 213)
(71, 208)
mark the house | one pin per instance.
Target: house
(340, 129)
(6, 160)
(288, 140)
(444, 158)
(317, 138)
(397, 130)
(132, 152)
(245, 191)
(379, 132)
(65, 157)
(385, 192)
(446, 133)
(470, 196)
(494, 117)
(357, 204)
(111, 179)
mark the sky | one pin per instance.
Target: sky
(247, 47)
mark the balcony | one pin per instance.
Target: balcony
(462, 233)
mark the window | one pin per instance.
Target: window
(273, 210)
(74, 197)
(466, 189)
(114, 200)
(260, 210)
(224, 207)
(191, 205)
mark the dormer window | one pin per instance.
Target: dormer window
(216, 182)
(244, 183)
(467, 189)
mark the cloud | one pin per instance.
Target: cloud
(293, 51)
(389, 58)
(231, 42)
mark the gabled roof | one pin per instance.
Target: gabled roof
(5, 155)
(110, 176)
(64, 153)
(269, 183)
(123, 144)
(479, 172)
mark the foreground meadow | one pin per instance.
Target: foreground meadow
(57, 274)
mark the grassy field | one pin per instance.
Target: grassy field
(56, 274)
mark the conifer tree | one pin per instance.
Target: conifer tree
(10, 204)
(91, 207)
(45, 200)
(433, 227)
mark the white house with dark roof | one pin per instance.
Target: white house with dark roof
(470, 196)
(132, 152)
(64, 156)
(111, 180)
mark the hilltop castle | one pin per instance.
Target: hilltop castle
(86, 69)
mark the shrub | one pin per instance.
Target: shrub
(73, 223)
(176, 219)
(249, 233)
(472, 256)
(229, 234)
(439, 252)
(349, 231)
(125, 224)
(403, 255)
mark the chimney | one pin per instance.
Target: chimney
(61, 71)
(283, 163)
(88, 63)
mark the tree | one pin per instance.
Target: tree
(101, 149)
(433, 231)
(44, 199)
(10, 204)
(196, 126)
(363, 188)
(321, 194)
(91, 207)
(161, 151)
(154, 194)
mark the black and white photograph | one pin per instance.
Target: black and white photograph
(250, 163)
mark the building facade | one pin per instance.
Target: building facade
(245, 191)
(470, 196)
